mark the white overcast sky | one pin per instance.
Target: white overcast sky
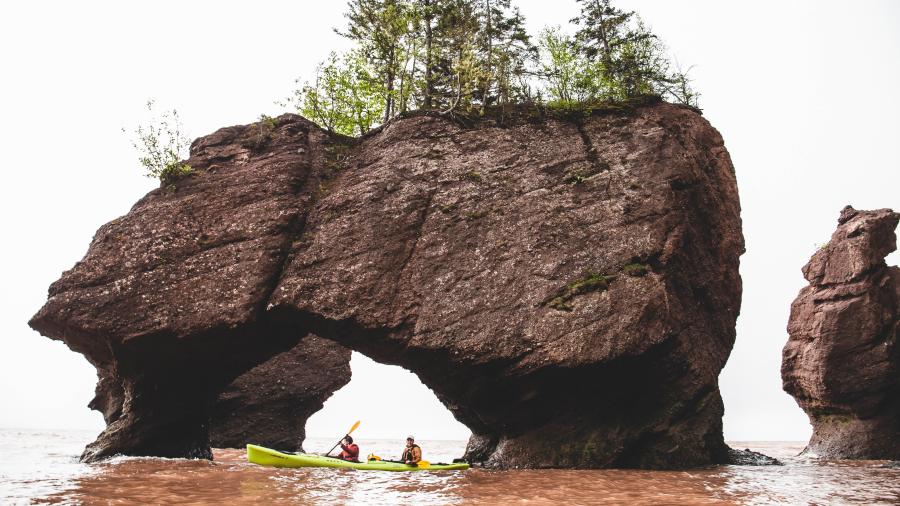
(805, 94)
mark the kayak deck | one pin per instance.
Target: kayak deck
(274, 458)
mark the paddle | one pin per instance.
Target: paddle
(424, 464)
(355, 425)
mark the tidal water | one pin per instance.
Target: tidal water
(42, 468)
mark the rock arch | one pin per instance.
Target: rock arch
(568, 289)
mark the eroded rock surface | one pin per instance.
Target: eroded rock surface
(842, 361)
(269, 404)
(568, 289)
(169, 301)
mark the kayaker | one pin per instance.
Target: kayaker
(350, 452)
(412, 454)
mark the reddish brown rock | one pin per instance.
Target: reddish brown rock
(169, 301)
(568, 289)
(269, 404)
(842, 361)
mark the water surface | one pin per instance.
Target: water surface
(42, 468)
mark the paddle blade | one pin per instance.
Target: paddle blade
(355, 425)
(424, 464)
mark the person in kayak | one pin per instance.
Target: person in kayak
(412, 454)
(349, 450)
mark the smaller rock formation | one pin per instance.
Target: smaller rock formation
(842, 362)
(269, 404)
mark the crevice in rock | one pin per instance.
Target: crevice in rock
(590, 151)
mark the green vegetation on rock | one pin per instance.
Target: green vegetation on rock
(467, 56)
(592, 282)
(161, 144)
(636, 269)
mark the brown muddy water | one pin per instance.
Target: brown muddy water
(42, 468)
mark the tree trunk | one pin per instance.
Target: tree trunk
(490, 48)
(389, 85)
(603, 38)
(428, 61)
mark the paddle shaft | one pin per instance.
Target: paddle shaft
(335, 446)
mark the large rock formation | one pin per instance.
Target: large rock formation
(842, 361)
(567, 288)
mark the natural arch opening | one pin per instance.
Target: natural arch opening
(391, 402)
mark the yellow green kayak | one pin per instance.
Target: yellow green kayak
(268, 457)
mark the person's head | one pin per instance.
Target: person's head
(410, 440)
(347, 440)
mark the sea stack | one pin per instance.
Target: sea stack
(566, 283)
(842, 361)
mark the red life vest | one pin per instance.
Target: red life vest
(350, 452)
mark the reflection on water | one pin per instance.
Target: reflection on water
(49, 474)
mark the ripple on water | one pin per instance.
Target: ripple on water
(231, 480)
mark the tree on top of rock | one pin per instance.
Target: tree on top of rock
(379, 26)
(468, 55)
(628, 59)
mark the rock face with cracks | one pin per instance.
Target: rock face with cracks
(568, 288)
(842, 361)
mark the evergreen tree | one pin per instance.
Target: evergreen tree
(628, 59)
(456, 71)
(506, 52)
(603, 29)
(378, 27)
(427, 11)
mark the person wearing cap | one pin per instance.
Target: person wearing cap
(412, 454)
(349, 450)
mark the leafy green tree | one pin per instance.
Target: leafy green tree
(161, 145)
(681, 89)
(345, 97)
(565, 70)
(378, 27)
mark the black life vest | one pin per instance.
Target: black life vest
(407, 452)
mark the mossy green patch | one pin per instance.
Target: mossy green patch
(636, 270)
(592, 282)
(574, 178)
(474, 175)
(173, 172)
(560, 304)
